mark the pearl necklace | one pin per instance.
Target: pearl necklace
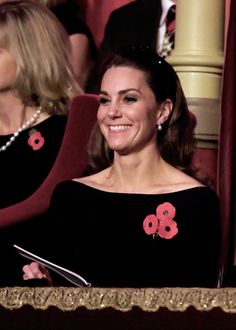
(27, 124)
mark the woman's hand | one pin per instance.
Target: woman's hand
(36, 271)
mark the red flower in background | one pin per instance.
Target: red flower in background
(36, 140)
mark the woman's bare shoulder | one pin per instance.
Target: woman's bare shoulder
(178, 180)
(94, 180)
(187, 180)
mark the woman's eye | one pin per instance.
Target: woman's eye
(130, 99)
(103, 100)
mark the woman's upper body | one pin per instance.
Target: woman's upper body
(105, 236)
(26, 164)
(34, 96)
(142, 220)
(20, 222)
(36, 85)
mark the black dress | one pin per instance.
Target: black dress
(100, 235)
(24, 166)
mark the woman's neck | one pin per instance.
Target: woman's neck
(137, 172)
(13, 113)
(145, 173)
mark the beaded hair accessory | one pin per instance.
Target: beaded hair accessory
(140, 51)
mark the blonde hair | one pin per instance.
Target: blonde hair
(42, 51)
(51, 3)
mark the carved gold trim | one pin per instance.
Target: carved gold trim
(68, 299)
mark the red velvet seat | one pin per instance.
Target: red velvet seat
(70, 162)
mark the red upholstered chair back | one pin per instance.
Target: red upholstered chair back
(70, 162)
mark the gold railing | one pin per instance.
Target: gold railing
(149, 299)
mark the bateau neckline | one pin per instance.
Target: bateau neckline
(138, 194)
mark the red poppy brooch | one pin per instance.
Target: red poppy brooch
(35, 140)
(162, 224)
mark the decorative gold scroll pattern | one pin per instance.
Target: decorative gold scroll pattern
(149, 299)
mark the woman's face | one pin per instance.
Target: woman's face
(8, 70)
(128, 112)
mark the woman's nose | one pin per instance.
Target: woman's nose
(114, 110)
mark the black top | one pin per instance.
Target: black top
(100, 235)
(26, 163)
(68, 15)
(23, 170)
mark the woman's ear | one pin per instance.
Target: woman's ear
(164, 111)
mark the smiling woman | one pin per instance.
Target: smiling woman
(145, 215)
(131, 112)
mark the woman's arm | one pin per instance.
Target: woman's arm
(82, 58)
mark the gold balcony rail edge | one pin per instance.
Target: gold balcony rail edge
(122, 299)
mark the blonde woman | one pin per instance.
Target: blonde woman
(36, 84)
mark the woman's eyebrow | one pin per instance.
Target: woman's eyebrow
(123, 91)
(103, 92)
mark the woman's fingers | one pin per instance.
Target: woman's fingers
(33, 270)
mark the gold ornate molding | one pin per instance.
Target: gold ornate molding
(198, 59)
(150, 299)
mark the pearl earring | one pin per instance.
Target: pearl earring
(159, 127)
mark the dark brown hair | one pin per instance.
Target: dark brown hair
(176, 139)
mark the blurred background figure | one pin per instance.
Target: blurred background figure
(146, 23)
(140, 22)
(83, 45)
